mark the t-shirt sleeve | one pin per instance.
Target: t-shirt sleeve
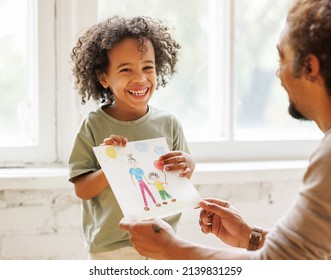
(179, 140)
(82, 159)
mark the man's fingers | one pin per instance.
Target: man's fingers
(125, 225)
(221, 202)
(220, 210)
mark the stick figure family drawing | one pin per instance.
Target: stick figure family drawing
(138, 174)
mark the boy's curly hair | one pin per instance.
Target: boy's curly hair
(90, 53)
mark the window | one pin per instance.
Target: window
(260, 103)
(18, 120)
(225, 91)
(195, 92)
(26, 82)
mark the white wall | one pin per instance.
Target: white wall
(40, 215)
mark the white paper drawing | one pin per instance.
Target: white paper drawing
(142, 186)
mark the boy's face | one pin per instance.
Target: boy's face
(131, 76)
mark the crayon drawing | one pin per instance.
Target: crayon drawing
(160, 186)
(139, 175)
(141, 185)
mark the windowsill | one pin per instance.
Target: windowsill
(239, 172)
(56, 177)
(42, 177)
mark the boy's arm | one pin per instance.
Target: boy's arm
(90, 184)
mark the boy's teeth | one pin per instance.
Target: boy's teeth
(138, 93)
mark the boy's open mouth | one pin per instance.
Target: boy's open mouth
(138, 92)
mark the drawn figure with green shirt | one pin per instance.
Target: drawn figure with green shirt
(160, 187)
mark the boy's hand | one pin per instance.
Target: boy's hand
(178, 160)
(116, 140)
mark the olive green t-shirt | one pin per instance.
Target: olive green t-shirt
(101, 215)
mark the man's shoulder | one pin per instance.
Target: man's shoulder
(323, 150)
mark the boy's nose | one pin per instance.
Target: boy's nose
(139, 77)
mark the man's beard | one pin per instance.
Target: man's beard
(294, 112)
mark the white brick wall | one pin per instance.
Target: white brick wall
(40, 215)
(40, 224)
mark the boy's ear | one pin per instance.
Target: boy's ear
(103, 80)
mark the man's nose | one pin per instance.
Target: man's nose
(277, 73)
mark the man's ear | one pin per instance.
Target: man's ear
(102, 77)
(312, 67)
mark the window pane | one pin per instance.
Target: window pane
(260, 102)
(17, 98)
(191, 94)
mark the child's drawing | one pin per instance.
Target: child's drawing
(138, 173)
(158, 165)
(126, 169)
(155, 178)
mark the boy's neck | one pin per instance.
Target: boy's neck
(129, 115)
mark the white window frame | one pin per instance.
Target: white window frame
(60, 110)
(230, 149)
(45, 150)
(72, 18)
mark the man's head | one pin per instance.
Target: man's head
(305, 53)
(309, 23)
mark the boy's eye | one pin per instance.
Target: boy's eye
(125, 70)
(148, 67)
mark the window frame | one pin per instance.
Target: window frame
(60, 111)
(45, 86)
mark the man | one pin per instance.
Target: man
(305, 231)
